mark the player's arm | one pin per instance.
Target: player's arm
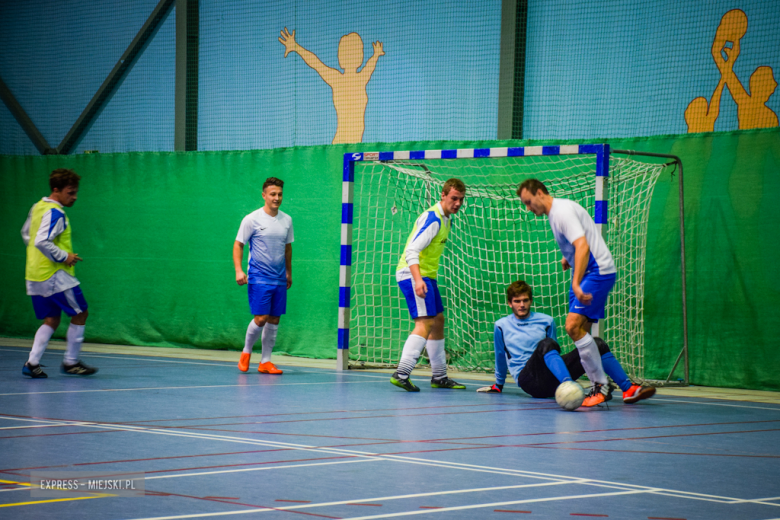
(368, 70)
(26, 229)
(290, 45)
(501, 366)
(288, 263)
(581, 257)
(238, 259)
(52, 226)
(420, 242)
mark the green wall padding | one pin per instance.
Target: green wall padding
(156, 232)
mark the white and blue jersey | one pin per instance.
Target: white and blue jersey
(267, 237)
(569, 221)
(515, 340)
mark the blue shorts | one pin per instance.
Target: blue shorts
(267, 299)
(71, 301)
(599, 286)
(418, 307)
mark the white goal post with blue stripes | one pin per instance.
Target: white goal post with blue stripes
(493, 242)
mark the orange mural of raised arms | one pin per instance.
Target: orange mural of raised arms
(349, 88)
(752, 111)
(701, 115)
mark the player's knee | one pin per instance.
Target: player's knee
(52, 322)
(273, 320)
(80, 319)
(602, 345)
(548, 345)
(573, 328)
(260, 321)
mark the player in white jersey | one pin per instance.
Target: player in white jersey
(50, 275)
(526, 345)
(416, 275)
(269, 233)
(593, 276)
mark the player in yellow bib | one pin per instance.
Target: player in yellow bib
(51, 277)
(416, 276)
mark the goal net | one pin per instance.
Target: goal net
(494, 241)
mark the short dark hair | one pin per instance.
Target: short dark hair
(455, 184)
(533, 186)
(62, 177)
(273, 181)
(517, 288)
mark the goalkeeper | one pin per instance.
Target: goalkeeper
(527, 344)
(416, 276)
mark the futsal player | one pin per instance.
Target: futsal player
(269, 233)
(51, 277)
(527, 345)
(593, 276)
(416, 276)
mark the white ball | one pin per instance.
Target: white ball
(569, 395)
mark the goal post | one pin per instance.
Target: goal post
(493, 242)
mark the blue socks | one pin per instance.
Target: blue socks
(613, 369)
(556, 365)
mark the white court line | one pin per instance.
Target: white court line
(15, 489)
(186, 387)
(390, 515)
(33, 426)
(776, 409)
(197, 474)
(420, 461)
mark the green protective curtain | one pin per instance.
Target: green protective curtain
(156, 233)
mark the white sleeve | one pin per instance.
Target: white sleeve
(290, 236)
(423, 239)
(570, 226)
(244, 230)
(52, 225)
(26, 228)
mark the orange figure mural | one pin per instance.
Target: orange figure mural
(349, 88)
(752, 111)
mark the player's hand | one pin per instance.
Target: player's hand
(288, 40)
(72, 259)
(289, 280)
(420, 288)
(378, 51)
(583, 297)
(241, 278)
(495, 389)
(565, 264)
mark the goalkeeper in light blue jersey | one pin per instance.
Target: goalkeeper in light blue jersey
(416, 275)
(526, 344)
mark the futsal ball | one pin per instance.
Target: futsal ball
(569, 395)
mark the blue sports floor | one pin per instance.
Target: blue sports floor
(213, 442)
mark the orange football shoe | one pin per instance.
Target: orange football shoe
(637, 393)
(598, 394)
(243, 363)
(268, 368)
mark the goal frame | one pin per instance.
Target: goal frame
(602, 154)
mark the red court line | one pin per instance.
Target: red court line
(142, 460)
(224, 498)
(246, 464)
(56, 434)
(431, 507)
(662, 452)
(321, 412)
(209, 499)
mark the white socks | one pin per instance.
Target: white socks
(412, 349)
(252, 333)
(437, 357)
(591, 359)
(75, 339)
(40, 343)
(269, 339)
